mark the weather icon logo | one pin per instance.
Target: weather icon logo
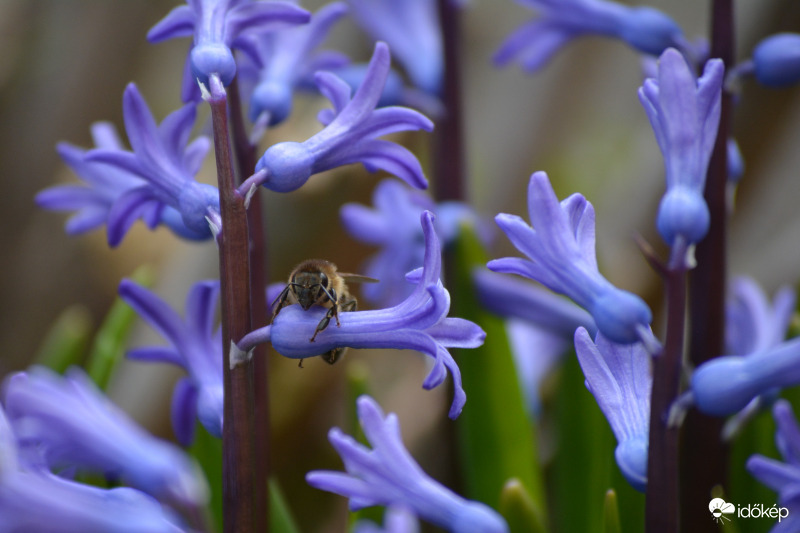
(719, 508)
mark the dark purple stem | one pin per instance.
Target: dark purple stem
(246, 159)
(237, 432)
(705, 457)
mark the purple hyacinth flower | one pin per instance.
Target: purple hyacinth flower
(287, 60)
(561, 256)
(350, 135)
(411, 29)
(782, 476)
(419, 322)
(645, 29)
(195, 346)
(71, 423)
(684, 112)
(393, 225)
(776, 60)
(619, 378)
(216, 27)
(388, 475)
(760, 362)
(396, 519)
(33, 499)
(164, 159)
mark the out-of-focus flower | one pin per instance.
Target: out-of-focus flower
(619, 378)
(396, 519)
(105, 184)
(782, 477)
(411, 29)
(216, 26)
(388, 475)
(753, 324)
(419, 322)
(561, 256)
(164, 159)
(776, 60)
(287, 60)
(350, 135)
(645, 29)
(71, 423)
(684, 113)
(195, 346)
(393, 224)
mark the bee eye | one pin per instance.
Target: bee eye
(323, 279)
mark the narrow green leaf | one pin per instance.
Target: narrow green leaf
(280, 517)
(66, 341)
(611, 513)
(518, 509)
(109, 342)
(207, 451)
(496, 437)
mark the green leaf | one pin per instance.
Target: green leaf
(611, 513)
(496, 437)
(109, 342)
(517, 507)
(66, 341)
(280, 517)
(207, 451)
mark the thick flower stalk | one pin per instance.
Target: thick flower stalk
(195, 347)
(419, 322)
(287, 60)
(411, 29)
(782, 477)
(619, 378)
(167, 163)
(684, 112)
(350, 136)
(761, 362)
(645, 29)
(217, 26)
(388, 475)
(71, 423)
(561, 256)
(33, 499)
(393, 225)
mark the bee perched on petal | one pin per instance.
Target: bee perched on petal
(318, 282)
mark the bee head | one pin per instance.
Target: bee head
(309, 288)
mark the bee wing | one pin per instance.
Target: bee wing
(357, 278)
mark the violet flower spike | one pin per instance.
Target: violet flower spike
(164, 159)
(287, 60)
(561, 256)
(388, 475)
(619, 378)
(645, 29)
(684, 113)
(216, 27)
(419, 322)
(411, 29)
(350, 135)
(71, 423)
(195, 347)
(782, 477)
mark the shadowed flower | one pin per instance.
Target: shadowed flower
(619, 378)
(350, 135)
(388, 475)
(419, 322)
(776, 60)
(195, 347)
(782, 477)
(393, 224)
(166, 162)
(684, 112)
(411, 29)
(105, 184)
(33, 499)
(645, 29)
(561, 256)
(71, 423)
(216, 26)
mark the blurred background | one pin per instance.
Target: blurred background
(64, 65)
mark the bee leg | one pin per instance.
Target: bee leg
(334, 355)
(332, 312)
(280, 300)
(300, 364)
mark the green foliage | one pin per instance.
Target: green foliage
(518, 509)
(66, 341)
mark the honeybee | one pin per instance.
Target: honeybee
(318, 282)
